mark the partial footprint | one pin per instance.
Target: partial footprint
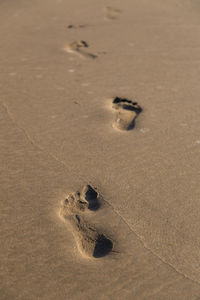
(126, 113)
(90, 242)
(112, 13)
(82, 200)
(78, 48)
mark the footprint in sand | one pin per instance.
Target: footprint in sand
(90, 242)
(126, 113)
(71, 26)
(79, 49)
(112, 13)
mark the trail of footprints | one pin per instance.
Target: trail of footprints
(78, 47)
(75, 207)
(126, 111)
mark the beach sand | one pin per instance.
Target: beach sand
(71, 73)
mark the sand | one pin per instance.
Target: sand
(62, 65)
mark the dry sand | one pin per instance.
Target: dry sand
(62, 63)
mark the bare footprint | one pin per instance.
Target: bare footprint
(126, 113)
(112, 13)
(90, 242)
(78, 48)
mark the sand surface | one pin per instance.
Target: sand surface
(61, 64)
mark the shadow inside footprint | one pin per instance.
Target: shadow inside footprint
(127, 112)
(103, 246)
(90, 196)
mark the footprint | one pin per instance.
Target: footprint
(90, 242)
(71, 26)
(112, 13)
(78, 48)
(126, 113)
